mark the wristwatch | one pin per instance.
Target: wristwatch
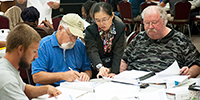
(98, 66)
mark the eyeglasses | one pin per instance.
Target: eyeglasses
(103, 20)
(72, 36)
(152, 23)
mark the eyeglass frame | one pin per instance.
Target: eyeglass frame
(71, 35)
(152, 23)
(103, 20)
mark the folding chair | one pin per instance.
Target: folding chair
(4, 22)
(56, 21)
(146, 4)
(181, 16)
(130, 37)
(104, 1)
(127, 15)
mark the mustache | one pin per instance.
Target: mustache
(149, 30)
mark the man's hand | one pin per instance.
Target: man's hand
(83, 77)
(185, 71)
(53, 92)
(21, 1)
(50, 4)
(47, 24)
(70, 76)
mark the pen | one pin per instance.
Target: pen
(72, 70)
(45, 19)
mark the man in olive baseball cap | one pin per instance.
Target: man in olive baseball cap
(62, 56)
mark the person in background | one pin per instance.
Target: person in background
(104, 41)
(44, 7)
(195, 9)
(172, 7)
(62, 57)
(136, 11)
(86, 10)
(21, 49)
(30, 16)
(159, 46)
(115, 6)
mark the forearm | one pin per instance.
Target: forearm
(123, 66)
(47, 77)
(56, 5)
(194, 71)
(89, 73)
(35, 91)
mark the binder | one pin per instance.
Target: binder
(133, 77)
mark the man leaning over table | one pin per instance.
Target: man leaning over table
(159, 46)
(62, 56)
(21, 49)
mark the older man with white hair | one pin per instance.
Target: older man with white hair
(62, 56)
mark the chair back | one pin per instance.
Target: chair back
(14, 15)
(182, 12)
(146, 4)
(104, 1)
(126, 12)
(4, 22)
(130, 37)
(56, 21)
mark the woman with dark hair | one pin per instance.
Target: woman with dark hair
(86, 10)
(104, 40)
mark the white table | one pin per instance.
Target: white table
(149, 90)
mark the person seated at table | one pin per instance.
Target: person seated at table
(86, 10)
(136, 11)
(158, 47)
(115, 5)
(62, 56)
(21, 49)
(30, 16)
(104, 41)
(172, 7)
(195, 9)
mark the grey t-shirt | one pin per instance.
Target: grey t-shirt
(11, 85)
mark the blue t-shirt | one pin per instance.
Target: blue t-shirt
(51, 57)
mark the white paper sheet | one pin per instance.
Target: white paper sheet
(174, 69)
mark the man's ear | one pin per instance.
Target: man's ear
(20, 50)
(60, 27)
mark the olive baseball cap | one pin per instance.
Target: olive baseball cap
(75, 23)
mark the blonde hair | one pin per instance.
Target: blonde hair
(21, 34)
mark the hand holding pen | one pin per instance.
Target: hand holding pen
(47, 23)
(81, 76)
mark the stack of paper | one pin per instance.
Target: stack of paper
(172, 73)
(67, 94)
(86, 86)
(132, 77)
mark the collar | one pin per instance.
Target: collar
(54, 41)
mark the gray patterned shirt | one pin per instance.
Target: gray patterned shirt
(144, 53)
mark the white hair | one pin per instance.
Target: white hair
(64, 24)
(161, 11)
